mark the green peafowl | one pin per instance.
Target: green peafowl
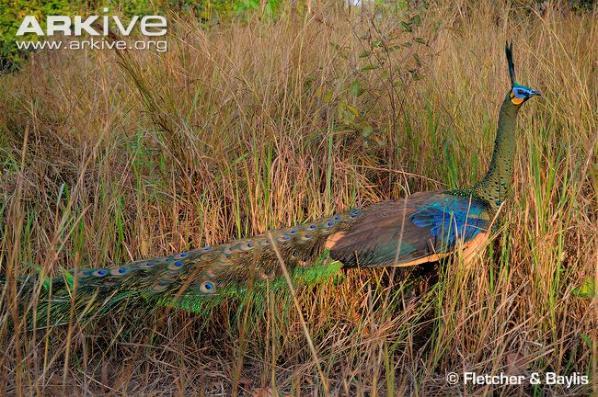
(423, 227)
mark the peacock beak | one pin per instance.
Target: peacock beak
(535, 93)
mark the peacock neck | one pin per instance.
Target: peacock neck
(494, 187)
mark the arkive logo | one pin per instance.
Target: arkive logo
(149, 25)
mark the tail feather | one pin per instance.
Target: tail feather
(190, 280)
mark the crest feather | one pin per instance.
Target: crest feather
(509, 54)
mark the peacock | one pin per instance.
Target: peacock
(423, 227)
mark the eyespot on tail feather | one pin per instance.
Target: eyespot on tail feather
(309, 276)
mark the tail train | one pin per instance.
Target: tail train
(210, 271)
(197, 279)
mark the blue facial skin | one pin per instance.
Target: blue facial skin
(523, 92)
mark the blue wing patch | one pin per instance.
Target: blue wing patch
(451, 219)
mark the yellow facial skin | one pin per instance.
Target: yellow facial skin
(515, 100)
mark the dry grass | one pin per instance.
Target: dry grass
(256, 124)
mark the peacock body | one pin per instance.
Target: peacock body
(423, 227)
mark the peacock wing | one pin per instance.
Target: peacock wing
(420, 228)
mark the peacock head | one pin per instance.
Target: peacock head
(519, 93)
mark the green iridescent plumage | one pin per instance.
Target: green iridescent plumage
(494, 187)
(324, 270)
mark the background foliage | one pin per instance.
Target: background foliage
(258, 122)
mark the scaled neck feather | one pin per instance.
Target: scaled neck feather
(494, 187)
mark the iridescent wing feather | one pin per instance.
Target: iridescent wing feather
(420, 228)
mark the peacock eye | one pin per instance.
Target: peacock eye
(246, 245)
(284, 237)
(207, 287)
(119, 271)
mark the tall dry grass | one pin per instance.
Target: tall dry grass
(258, 124)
